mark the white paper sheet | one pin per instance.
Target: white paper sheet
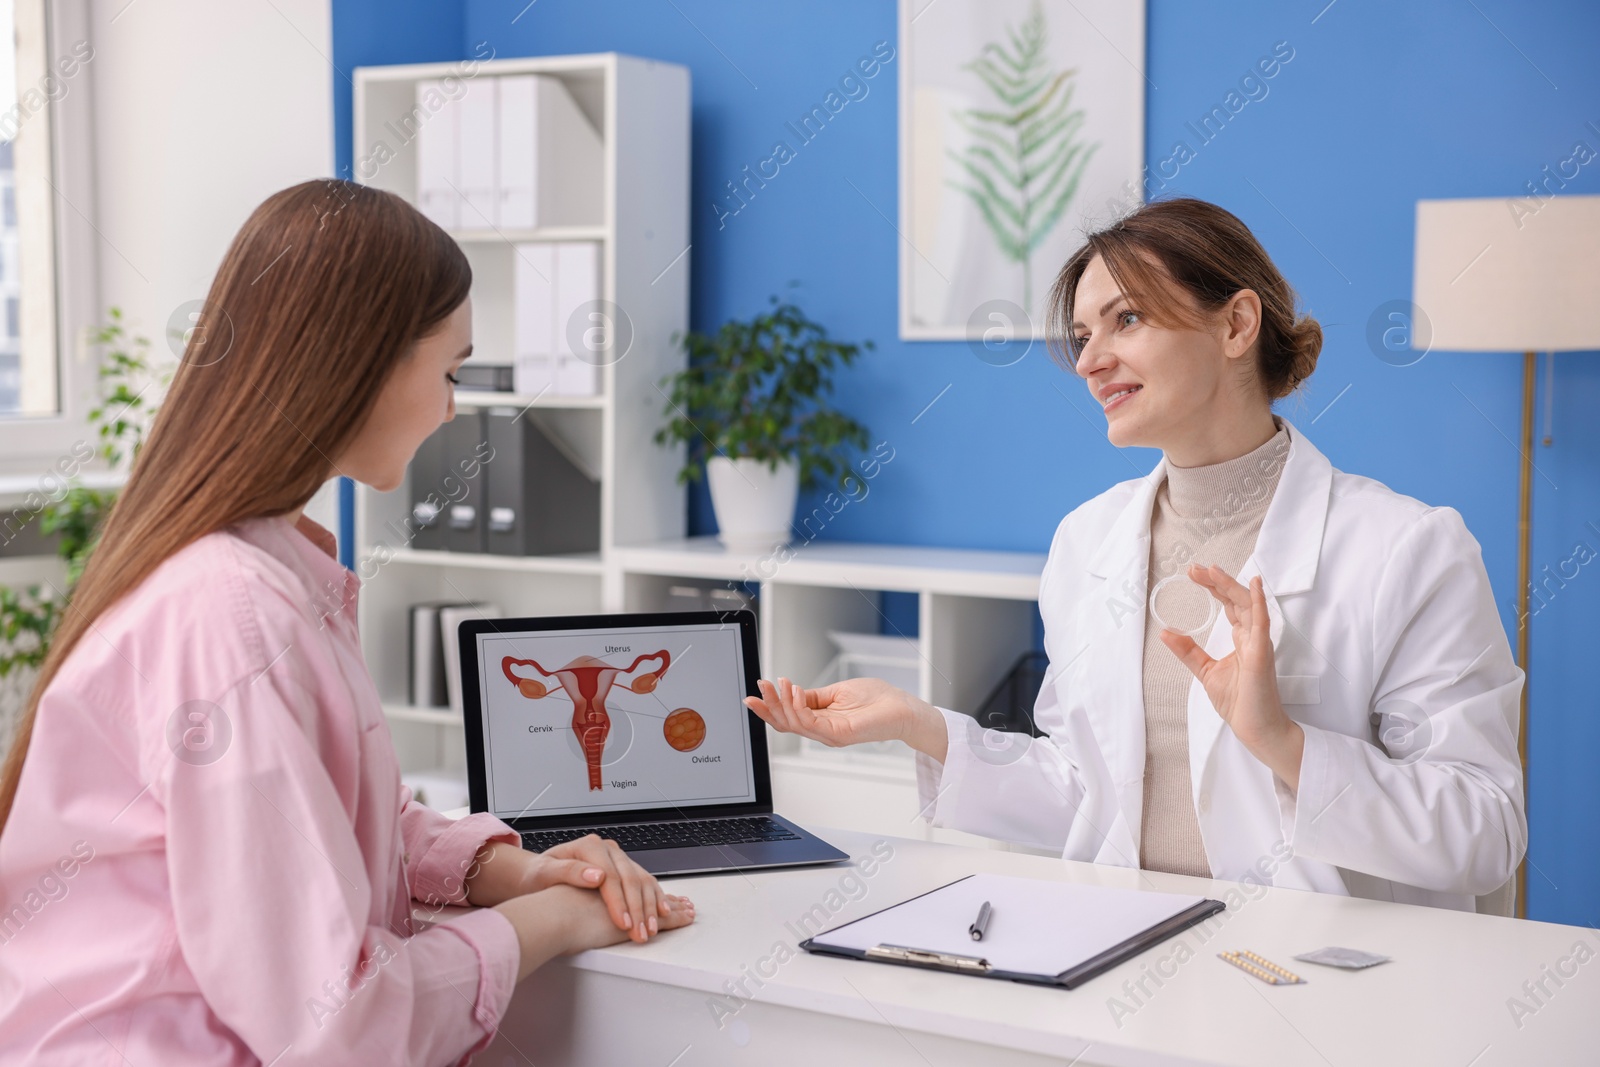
(1036, 927)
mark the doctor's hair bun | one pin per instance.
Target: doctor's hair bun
(1179, 261)
(1283, 371)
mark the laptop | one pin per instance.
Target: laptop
(631, 727)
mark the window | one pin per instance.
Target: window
(48, 271)
(27, 364)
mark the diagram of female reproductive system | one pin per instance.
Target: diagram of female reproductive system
(588, 681)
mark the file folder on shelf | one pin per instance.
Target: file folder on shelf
(551, 158)
(427, 687)
(533, 325)
(508, 152)
(426, 525)
(479, 164)
(583, 339)
(561, 332)
(461, 482)
(438, 155)
(1039, 932)
(519, 158)
(539, 501)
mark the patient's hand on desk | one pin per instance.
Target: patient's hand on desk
(564, 920)
(851, 712)
(633, 898)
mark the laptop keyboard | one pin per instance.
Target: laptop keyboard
(637, 837)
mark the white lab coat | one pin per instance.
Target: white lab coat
(1389, 653)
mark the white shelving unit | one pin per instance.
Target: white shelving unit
(640, 108)
(975, 609)
(975, 615)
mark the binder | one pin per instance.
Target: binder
(519, 165)
(539, 501)
(582, 340)
(461, 482)
(551, 157)
(1041, 933)
(513, 152)
(559, 336)
(426, 525)
(533, 328)
(427, 688)
(438, 155)
(479, 166)
(533, 375)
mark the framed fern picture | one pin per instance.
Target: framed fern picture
(1021, 126)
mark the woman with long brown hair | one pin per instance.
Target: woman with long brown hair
(1346, 723)
(206, 853)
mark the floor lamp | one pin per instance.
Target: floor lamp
(1510, 275)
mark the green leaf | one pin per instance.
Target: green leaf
(1024, 164)
(1050, 164)
(988, 191)
(1011, 80)
(977, 155)
(1038, 129)
(1048, 189)
(1011, 245)
(751, 390)
(28, 617)
(1044, 101)
(1053, 214)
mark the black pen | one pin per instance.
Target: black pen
(981, 924)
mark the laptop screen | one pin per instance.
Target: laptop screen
(621, 718)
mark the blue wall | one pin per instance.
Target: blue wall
(1381, 105)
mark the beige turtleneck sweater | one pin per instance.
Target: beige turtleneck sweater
(1206, 515)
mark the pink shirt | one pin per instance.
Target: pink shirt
(211, 858)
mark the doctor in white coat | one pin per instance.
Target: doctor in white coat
(1351, 721)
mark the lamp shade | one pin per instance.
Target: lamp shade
(1507, 275)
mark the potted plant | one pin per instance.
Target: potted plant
(751, 407)
(28, 616)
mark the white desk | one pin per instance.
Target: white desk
(1444, 999)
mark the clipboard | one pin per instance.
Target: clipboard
(1095, 929)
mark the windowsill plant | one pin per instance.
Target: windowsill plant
(28, 615)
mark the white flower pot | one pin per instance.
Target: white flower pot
(754, 504)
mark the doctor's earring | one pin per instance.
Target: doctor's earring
(1182, 607)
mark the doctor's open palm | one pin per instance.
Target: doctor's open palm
(850, 712)
(1242, 687)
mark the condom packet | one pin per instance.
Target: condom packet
(1349, 958)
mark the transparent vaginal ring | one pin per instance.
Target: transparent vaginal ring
(1211, 603)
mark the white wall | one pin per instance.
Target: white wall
(201, 110)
